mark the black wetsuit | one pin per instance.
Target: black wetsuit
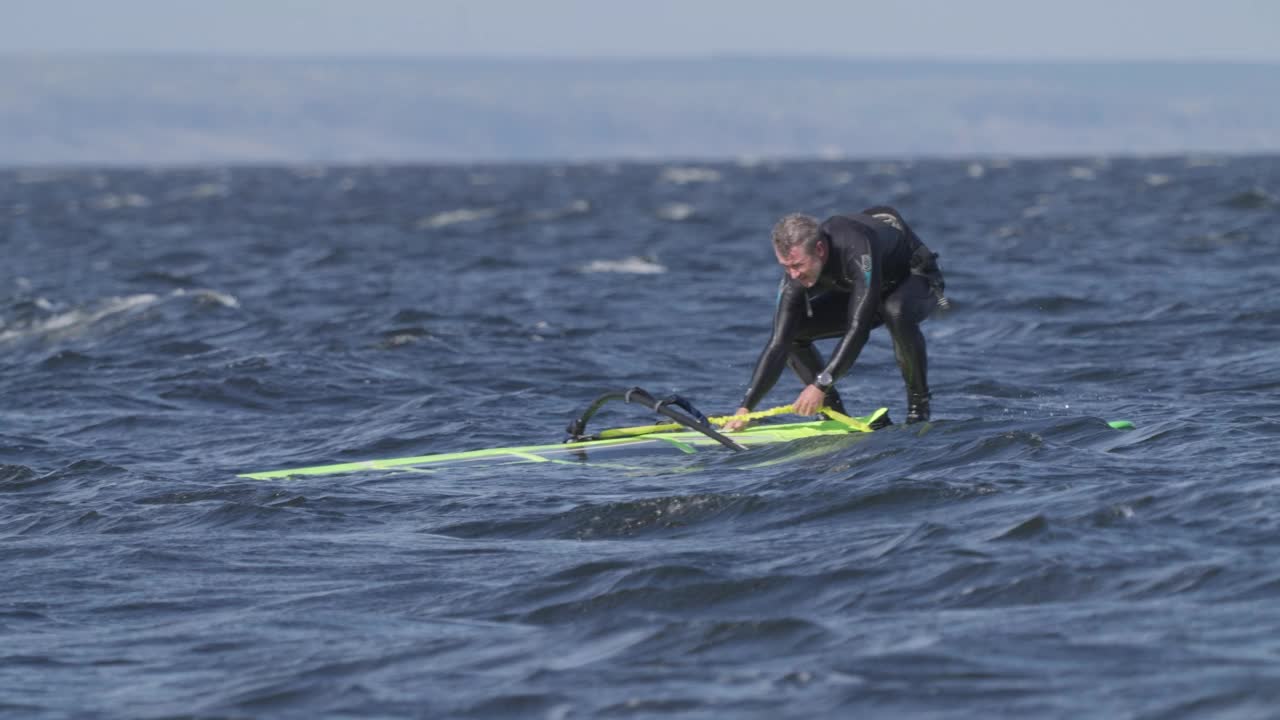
(877, 272)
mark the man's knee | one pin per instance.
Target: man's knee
(896, 313)
(910, 305)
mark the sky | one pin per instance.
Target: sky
(1180, 30)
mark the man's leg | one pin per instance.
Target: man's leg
(830, 319)
(807, 362)
(904, 310)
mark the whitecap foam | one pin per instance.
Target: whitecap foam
(401, 339)
(687, 175)
(203, 191)
(70, 321)
(976, 170)
(577, 207)
(1158, 179)
(633, 265)
(113, 201)
(456, 217)
(1079, 172)
(676, 211)
(115, 305)
(209, 297)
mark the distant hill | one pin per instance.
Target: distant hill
(196, 110)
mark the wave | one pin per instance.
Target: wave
(64, 359)
(42, 319)
(203, 191)
(1252, 199)
(689, 175)
(456, 217)
(71, 322)
(676, 212)
(113, 201)
(633, 265)
(630, 518)
(716, 595)
(577, 207)
(15, 477)
(403, 336)
(734, 640)
(80, 473)
(204, 296)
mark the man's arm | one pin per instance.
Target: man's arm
(774, 356)
(864, 301)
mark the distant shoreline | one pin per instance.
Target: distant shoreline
(988, 161)
(200, 110)
(79, 55)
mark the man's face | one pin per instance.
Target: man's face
(801, 266)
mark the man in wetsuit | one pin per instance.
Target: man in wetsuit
(844, 277)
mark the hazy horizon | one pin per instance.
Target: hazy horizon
(191, 109)
(1228, 30)
(923, 59)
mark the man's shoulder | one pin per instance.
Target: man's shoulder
(878, 229)
(842, 220)
(850, 229)
(852, 221)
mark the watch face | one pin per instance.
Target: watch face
(824, 379)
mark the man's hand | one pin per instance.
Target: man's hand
(736, 424)
(811, 398)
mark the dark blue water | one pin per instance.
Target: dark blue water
(163, 331)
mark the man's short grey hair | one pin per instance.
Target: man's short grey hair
(796, 230)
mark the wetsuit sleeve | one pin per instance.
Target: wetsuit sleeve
(864, 301)
(786, 321)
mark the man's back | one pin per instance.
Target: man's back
(859, 245)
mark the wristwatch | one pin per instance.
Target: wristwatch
(824, 381)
